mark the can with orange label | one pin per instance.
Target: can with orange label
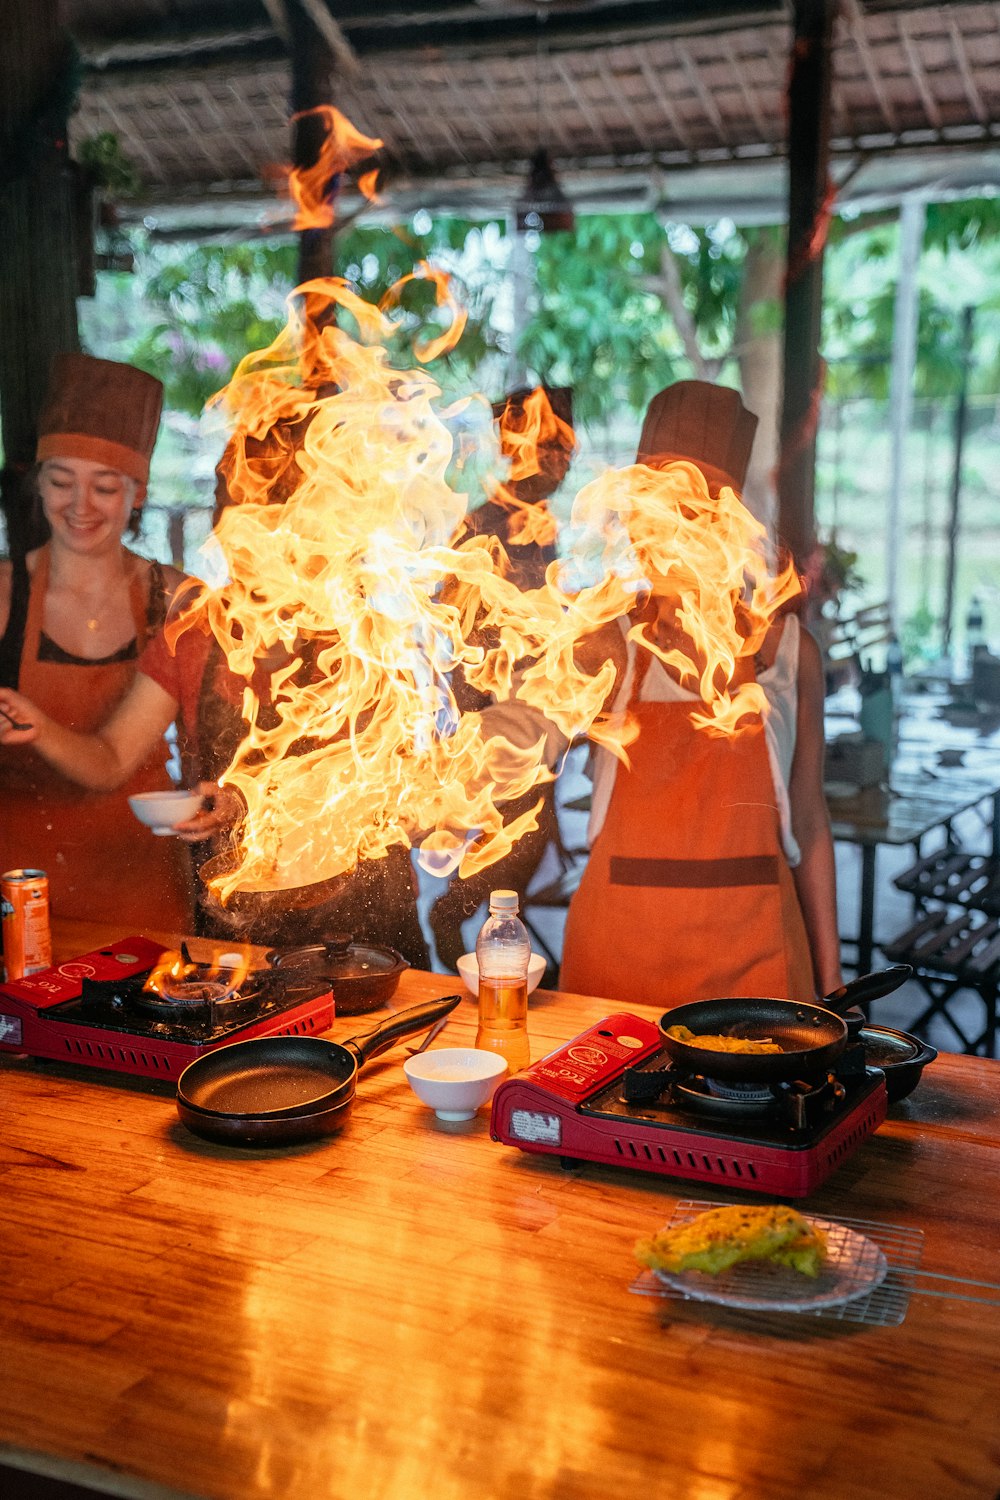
(27, 942)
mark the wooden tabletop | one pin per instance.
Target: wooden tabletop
(412, 1309)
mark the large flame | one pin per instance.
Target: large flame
(343, 145)
(352, 603)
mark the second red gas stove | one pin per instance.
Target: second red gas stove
(613, 1096)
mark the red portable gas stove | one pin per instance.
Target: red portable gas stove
(612, 1095)
(94, 1010)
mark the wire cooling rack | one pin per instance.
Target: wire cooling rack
(885, 1305)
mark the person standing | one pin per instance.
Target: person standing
(75, 615)
(540, 466)
(711, 870)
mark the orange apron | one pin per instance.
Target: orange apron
(101, 863)
(687, 894)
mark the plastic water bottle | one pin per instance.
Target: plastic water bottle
(503, 950)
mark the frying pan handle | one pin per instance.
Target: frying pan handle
(867, 987)
(417, 1018)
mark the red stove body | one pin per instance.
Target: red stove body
(573, 1104)
(85, 1011)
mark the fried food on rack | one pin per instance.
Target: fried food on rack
(720, 1043)
(723, 1237)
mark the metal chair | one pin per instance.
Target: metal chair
(950, 954)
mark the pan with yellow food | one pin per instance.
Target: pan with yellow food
(710, 1037)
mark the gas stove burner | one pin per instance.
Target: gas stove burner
(706, 1096)
(176, 993)
(739, 1093)
(196, 1002)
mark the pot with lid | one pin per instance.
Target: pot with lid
(363, 976)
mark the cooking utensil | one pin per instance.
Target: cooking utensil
(811, 1036)
(435, 1030)
(901, 1057)
(14, 723)
(364, 976)
(292, 1082)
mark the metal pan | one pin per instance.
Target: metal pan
(811, 1037)
(284, 1079)
(266, 1130)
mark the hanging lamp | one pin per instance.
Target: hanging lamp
(542, 205)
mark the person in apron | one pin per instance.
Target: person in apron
(711, 868)
(75, 615)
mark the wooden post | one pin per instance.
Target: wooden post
(312, 85)
(38, 264)
(809, 205)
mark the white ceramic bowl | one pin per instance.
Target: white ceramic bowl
(469, 970)
(454, 1081)
(162, 811)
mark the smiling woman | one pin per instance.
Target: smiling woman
(74, 616)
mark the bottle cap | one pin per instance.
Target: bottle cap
(503, 901)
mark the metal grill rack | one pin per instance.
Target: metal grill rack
(884, 1306)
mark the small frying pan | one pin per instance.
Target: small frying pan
(295, 1084)
(811, 1037)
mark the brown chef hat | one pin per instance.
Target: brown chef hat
(99, 410)
(707, 424)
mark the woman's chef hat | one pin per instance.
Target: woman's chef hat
(706, 424)
(102, 411)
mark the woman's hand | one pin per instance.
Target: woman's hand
(223, 809)
(20, 720)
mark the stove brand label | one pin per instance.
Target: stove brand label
(588, 1057)
(527, 1125)
(10, 1029)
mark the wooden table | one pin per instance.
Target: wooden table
(411, 1309)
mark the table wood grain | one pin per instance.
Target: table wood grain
(411, 1309)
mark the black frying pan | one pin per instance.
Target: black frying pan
(274, 1089)
(811, 1037)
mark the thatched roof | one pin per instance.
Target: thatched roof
(639, 101)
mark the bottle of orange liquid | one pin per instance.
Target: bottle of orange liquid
(503, 950)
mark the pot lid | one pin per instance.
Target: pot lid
(885, 1047)
(340, 958)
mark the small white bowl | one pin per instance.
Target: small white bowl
(469, 970)
(454, 1081)
(162, 811)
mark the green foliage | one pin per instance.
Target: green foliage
(108, 166)
(213, 304)
(597, 327)
(210, 305)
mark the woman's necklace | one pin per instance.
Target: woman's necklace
(93, 618)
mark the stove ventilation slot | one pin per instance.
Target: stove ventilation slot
(684, 1161)
(845, 1147)
(113, 1057)
(304, 1027)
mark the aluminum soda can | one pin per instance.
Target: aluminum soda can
(27, 941)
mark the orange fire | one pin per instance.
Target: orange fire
(529, 433)
(174, 968)
(351, 603)
(343, 146)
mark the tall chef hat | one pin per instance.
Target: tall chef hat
(102, 411)
(706, 424)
